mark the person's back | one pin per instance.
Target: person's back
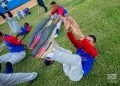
(14, 44)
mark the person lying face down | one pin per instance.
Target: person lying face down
(76, 65)
(25, 30)
(16, 51)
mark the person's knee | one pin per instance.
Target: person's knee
(77, 59)
(23, 55)
(76, 74)
(74, 79)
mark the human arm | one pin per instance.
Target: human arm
(70, 35)
(57, 19)
(13, 40)
(75, 27)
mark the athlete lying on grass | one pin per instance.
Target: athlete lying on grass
(24, 30)
(76, 65)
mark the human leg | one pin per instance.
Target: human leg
(71, 64)
(17, 57)
(3, 16)
(16, 78)
(5, 57)
(74, 25)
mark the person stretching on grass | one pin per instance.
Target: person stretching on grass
(16, 51)
(76, 65)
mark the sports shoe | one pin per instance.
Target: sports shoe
(48, 61)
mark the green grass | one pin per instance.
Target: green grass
(98, 17)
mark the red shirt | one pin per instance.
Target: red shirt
(12, 40)
(83, 44)
(60, 11)
(28, 28)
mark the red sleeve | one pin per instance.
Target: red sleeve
(13, 40)
(60, 10)
(52, 12)
(28, 29)
(74, 41)
(89, 48)
(84, 43)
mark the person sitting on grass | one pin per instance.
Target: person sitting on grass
(25, 30)
(16, 51)
(76, 65)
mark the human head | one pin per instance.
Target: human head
(26, 24)
(92, 39)
(53, 5)
(1, 37)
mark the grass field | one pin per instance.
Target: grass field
(98, 17)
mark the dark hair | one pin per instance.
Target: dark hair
(1, 34)
(94, 38)
(26, 24)
(53, 3)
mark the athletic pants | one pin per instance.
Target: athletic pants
(16, 78)
(41, 3)
(13, 57)
(72, 65)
